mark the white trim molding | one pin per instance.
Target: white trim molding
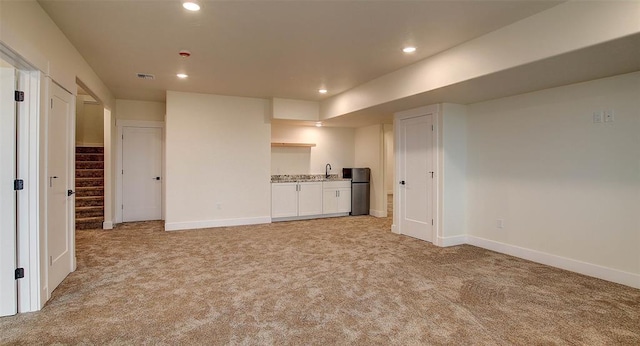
(377, 213)
(177, 226)
(589, 269)
(451, 241)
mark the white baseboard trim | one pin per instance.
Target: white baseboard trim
(395, 229)
(176, 226)
(600, 272)
(377, 213)
(107, 225)
(451, 241)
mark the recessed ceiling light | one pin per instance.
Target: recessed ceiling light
(409, 49)
(182, 75)
(191, 6)
(319, 124)
(322, 91)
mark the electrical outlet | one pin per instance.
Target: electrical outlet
(608, 116)
(597, 117)
(500, 223)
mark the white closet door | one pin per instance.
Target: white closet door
(142, 173)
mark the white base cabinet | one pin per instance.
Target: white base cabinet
(284, 200)
(306, 200)
(336, 197)
(290, 200)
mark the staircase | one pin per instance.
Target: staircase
(89, 187)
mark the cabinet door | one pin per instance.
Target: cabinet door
(310, 199)
(330, 201)
(344, 200)
(284, 200)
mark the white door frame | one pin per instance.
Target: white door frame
(30, 295)
(433, 110)
(120, 124)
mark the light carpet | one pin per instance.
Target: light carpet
(320, 282)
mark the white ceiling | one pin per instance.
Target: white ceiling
(266, 49)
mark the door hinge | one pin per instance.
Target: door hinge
(19, 96)
(431, 127)
(18, 184)
(122, 172)
(19, 273)
(51, 103)
(431, 222)
(122, 206)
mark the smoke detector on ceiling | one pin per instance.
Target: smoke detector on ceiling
(146, 76)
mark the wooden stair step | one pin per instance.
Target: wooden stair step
(88, 150)
(89, 164)
(89, 173)
(89, 182)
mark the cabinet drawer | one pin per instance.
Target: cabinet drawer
(336, 184)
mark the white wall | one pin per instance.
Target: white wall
(295, 109)
(140, 110)
(334, 145)
(564, 185)
(28, 30)
(369, 153)
(217, 161)
(452, 177)
(89, 123)
(389, 158)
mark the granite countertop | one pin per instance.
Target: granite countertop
(293, 178)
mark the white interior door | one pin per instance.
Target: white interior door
(8, 285)
(415, 177)
(60, 223)
(141, 173)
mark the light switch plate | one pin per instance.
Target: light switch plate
(608, 116)
(597, 117)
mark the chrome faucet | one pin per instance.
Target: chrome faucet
(327, 168)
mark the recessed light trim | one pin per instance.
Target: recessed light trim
(182, 75)
(409, 49)
(191, 6)
(319, 124)
(323, 91)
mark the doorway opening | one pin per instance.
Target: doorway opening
(89, 162)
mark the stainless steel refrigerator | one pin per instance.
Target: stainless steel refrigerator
(360, 189)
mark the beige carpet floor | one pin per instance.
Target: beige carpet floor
(324, 282)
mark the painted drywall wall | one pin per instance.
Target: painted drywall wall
(389, 158)
(295, 109)
(140, 110)
(217, 161)
(89, 123)
(452, 177)
(334, 145)
(27, 29)
(561, 29)
(563, 185)
(369, 150)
